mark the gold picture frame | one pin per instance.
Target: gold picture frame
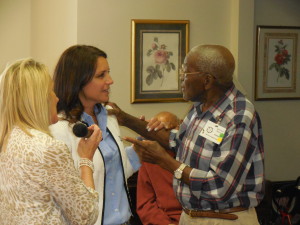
(157, 52)
(277, 75)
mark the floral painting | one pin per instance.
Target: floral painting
(277, 66)
(161, 62)
(158, 51)
(282, 58)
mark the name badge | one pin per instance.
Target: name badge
(213, 132)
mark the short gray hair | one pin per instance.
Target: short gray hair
(215, 60)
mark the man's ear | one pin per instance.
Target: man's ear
(208, 81)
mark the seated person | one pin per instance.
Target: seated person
(156, 201)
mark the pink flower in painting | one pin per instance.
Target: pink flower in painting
(162, 65)
(161, 56)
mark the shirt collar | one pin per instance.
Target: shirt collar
(218, 110)
(198, 108)
(219, 107)
(101, 114)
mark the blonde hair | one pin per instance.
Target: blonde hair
(24, 98)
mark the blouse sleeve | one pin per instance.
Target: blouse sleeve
(133, 158)
(78, 203)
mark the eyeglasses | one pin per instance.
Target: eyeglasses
(183, 75)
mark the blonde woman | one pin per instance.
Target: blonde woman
(38, 180)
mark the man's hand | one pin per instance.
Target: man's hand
(149, 151)
(139, 125)
(164, 119)
(155, 124)
(117, 112)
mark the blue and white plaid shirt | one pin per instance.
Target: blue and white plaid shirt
(224, 175)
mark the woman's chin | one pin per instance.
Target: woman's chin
(104, 100)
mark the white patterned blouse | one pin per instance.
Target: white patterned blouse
(40, 185)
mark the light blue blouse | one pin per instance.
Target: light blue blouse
(116, 205)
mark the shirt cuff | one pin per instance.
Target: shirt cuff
(197, 178)
(172, 138)
(133, 158)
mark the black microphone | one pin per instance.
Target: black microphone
(80, 129)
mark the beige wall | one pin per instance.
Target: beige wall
(36, 28)
(54, 28)
(107, 24)
(15, 27)
(280, 119)
(43, 29)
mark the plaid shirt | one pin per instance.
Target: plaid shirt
(224, 175)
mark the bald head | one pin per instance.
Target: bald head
(169, 119)
(215, 60)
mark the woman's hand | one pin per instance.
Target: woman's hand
(87, 146)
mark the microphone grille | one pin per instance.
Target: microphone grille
(80, 129)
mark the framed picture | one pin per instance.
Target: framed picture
(158, 51)
(277, 73)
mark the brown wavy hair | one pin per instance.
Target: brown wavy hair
(75, 68)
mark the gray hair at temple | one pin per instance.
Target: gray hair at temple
(215, 60)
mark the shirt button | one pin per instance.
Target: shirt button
(116, 210)
(112, 193)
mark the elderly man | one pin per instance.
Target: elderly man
(218, 170)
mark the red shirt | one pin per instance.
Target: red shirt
(156, 201)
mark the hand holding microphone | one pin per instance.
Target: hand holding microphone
(80, 129)
(91, 137)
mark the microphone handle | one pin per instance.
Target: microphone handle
(89, 133)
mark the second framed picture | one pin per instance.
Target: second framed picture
(277, 63)
(158, 51)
